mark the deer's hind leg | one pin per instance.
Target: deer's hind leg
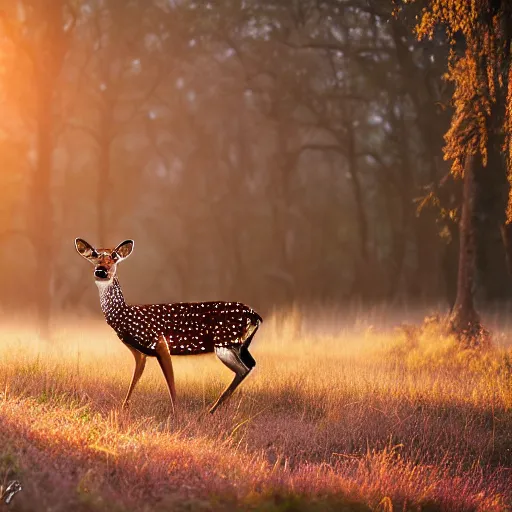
(239, 360)
(140, 364)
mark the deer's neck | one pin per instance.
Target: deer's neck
(111, 300)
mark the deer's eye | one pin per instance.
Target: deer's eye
(94, 254)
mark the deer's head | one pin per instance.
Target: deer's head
(104, 260)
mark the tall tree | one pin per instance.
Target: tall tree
(41, 31)
(479, 66)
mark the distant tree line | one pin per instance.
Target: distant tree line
(270, 152)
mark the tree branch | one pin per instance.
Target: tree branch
(337, 47)
(87, 129)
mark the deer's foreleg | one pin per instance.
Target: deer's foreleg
(164, 359)
(140, 364)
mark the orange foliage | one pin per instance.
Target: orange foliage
(481, 74)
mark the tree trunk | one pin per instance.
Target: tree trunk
(363, 278)
(103, 183)
(464, 320)
(42, 209)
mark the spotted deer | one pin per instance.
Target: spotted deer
(162, 330)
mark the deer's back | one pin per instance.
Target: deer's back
(189, 327)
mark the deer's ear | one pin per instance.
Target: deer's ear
(123, 250)
(84, 248)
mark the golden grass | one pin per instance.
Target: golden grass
(355, 420)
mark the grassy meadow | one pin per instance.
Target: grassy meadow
(355, 418)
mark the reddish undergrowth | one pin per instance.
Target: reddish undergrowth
(357, 421)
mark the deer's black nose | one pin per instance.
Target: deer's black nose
(101, 272)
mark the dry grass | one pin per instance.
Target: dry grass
(348, 420)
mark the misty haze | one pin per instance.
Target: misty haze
(315, 199)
